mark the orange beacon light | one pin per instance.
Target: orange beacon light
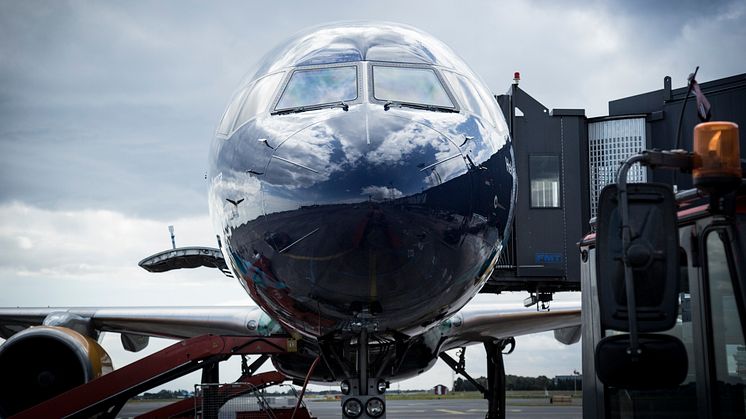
(717, 159)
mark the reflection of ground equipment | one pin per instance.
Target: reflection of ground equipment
(664, 291)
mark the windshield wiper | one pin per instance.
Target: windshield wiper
(345, 107)
(434, 108)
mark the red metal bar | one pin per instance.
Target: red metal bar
(305, 384)
(186, 407)
(165, 365)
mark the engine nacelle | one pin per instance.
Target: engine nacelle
(42, 362)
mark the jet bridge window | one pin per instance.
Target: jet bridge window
(544, 172)
(319, 86)
(409, 85)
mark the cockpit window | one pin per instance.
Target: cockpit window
(319, 86)
(224, 128)
(470, 97)
(259, 95)
(409, 85)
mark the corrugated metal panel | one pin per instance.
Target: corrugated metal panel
(609, 144)
(506, 260)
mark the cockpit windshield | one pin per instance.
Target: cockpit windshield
(413, 85)
(319, 86)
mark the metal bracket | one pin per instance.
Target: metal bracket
(461, 371)
(249, 370)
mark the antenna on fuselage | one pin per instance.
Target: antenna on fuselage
(173, 237)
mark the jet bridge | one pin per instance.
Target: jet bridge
(564, 159)
(552, 200)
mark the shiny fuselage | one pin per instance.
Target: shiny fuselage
(390, 217)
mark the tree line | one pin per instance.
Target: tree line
(515, 382)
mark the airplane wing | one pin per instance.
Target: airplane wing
(469, 326)
(481, 324)
(164, 322)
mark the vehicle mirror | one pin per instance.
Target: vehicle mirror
(652, 254)
(661, 363)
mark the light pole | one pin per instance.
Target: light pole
(576, 374)
(173, 237)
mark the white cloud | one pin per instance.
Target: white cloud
(381, 193)
(25, 243)
(90, 257)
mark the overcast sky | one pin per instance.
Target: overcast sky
(107, 110)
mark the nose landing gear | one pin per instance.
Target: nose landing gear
(365, 397)
(363, 406)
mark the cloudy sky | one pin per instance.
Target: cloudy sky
(107, 110)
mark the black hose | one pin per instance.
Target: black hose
(681, 119)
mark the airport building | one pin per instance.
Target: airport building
(440, 390)
(564, 159)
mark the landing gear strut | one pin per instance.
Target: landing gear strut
(364, 397)
(496, 377)
(495, 391)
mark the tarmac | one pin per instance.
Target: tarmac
(456, 409)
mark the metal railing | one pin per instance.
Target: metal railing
(240, 401)
(506, 260)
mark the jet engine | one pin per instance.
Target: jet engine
(42, 362)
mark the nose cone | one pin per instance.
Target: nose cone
(358, 158)
(374, 214)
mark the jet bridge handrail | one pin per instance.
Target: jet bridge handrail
(110, 392)
(186, 407)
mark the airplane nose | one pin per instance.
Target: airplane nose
(363, 155)
(368, 210)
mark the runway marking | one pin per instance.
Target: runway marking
(453, 412)
(485, 410)
(406, 411)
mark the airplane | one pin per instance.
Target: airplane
(362, 186)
